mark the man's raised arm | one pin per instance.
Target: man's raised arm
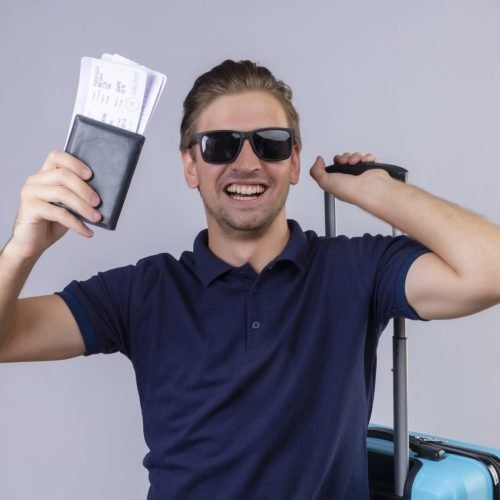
(43, 328)
(462, 274)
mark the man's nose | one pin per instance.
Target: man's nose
(247, 159)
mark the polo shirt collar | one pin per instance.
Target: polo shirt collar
(209, 267)
(296, 249)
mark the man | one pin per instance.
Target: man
(254, 354)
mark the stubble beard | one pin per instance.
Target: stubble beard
(250, 228)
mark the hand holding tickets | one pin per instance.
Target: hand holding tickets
(115, 100)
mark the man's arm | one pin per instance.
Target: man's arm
(462, 274)
(42, 328)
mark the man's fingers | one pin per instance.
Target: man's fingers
(60, 194)
(68, 179)
(61, 159)
(342, 158)
(369, 157)
(53, 213)
(347, 158)
(353, 158)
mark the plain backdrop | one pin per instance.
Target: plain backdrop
(416, 83)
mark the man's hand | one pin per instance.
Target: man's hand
(345, 187)
(39, 222)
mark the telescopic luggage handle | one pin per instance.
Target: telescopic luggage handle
(399, 348)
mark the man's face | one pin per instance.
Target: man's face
(245, 197)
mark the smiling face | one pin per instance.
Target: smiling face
(245, 198)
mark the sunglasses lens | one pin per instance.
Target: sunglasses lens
(273, 144)
(220, 147)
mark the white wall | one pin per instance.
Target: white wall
(417, 83)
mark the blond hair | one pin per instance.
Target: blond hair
(229, 78)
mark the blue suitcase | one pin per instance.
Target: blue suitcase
(439, 469)
(418, 466)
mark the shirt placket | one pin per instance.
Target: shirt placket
(256, 322)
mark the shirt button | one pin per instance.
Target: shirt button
(255, 325)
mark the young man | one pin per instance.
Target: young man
(254, 353)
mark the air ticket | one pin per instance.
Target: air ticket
(117, 91)
(154, 88)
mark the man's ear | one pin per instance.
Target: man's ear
(295, 159)
(190, 173)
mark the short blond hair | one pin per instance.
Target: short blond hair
(229, 78)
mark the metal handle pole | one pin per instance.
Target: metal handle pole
(330, 219)
(400, 405)
(400, 374)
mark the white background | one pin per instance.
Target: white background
(417, 83)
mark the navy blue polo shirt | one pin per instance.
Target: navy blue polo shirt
(252, 386)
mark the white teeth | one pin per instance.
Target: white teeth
(245, 190)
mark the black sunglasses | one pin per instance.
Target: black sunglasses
(224, 146)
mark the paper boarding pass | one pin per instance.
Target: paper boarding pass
(117, 91)
(154, 88)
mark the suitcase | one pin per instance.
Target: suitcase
(417, 466)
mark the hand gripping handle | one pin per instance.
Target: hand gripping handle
(398, 173)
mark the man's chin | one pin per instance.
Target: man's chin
(249, 229)
(243, 225)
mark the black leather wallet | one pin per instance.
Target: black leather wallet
(112, 153)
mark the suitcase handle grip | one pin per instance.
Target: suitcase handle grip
(398, 173)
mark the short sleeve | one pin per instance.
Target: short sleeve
(101, 308)
(395, 259)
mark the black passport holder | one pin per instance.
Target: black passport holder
(112, 153)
